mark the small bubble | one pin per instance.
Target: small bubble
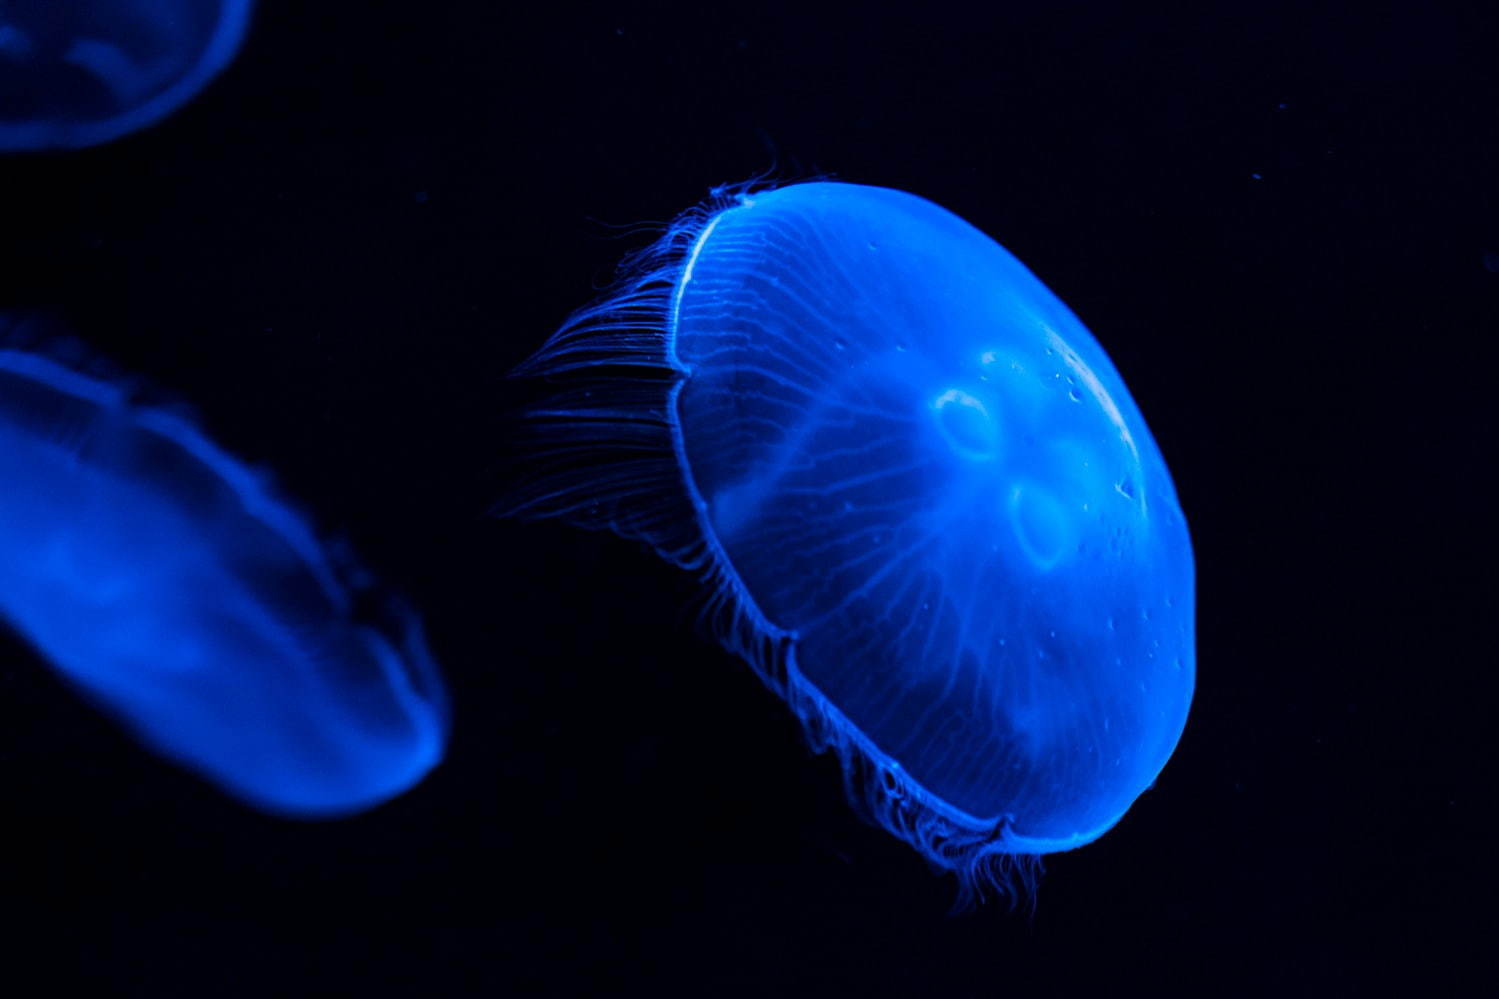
(1074, 396)
(839, 344)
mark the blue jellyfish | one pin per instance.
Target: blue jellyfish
(80, 72)
(926, 509)
(165, 580)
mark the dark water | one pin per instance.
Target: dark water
(1282, 225)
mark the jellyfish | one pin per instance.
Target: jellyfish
(922, 503)
(169, 583)
(81, 72)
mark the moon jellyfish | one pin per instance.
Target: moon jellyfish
(929, 514)
(165, 580)
(81, 72)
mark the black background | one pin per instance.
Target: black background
(1283, 227)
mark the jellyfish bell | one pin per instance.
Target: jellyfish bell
(170, 583)
(78, 73)
(925, 505)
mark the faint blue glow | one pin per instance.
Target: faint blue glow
(169, 583)
(81, 72)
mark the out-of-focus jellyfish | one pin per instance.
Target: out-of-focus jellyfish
(931, 516)
(81, 72)
(165, 580)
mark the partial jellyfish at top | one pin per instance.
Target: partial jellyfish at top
(168, 582)
(928, 511)
(80, 72)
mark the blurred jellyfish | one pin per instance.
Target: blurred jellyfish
(166, 580)
(930, 514)
(80, 72)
